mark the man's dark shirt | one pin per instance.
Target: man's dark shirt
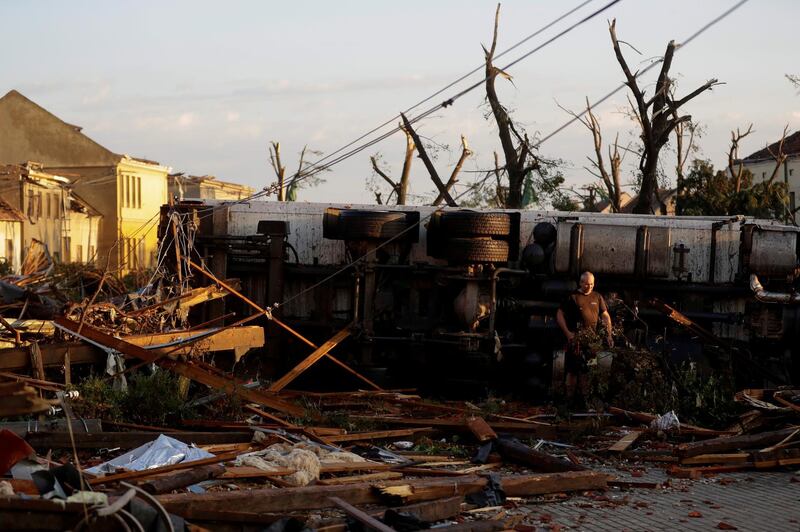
(582, 311)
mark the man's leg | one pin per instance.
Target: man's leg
(570, 384)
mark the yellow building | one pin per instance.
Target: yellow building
(205, 187)
(53, 213)
(127, 191)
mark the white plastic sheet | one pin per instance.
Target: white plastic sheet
(159, 452)
(666, 422)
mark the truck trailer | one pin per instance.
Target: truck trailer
(459, 298)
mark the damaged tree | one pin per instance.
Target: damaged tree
(400, 187)
(657, 116)
(611, 186)
(519, 154)
(444, 189)
(287, 191)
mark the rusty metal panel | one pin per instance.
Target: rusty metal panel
(659, 252)
(774, 253)
(563, 245)
(609, 249)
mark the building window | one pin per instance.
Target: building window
(90, 258)
(139, 192)
(79, 253)
(49, 211)
(10, 251)
(791, 171)
(127, 191)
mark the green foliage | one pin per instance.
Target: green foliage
(643, 380)
(154, 399)
(426, 445)
(98, 399)
(541, 188)
(705, 192)
(149, 400)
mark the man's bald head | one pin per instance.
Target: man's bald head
(586, 284)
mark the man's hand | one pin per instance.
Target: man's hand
(570, 336)
(610, 341)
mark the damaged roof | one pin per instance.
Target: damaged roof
(9, 213)
(791, 147)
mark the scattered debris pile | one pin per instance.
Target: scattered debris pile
(227, 452)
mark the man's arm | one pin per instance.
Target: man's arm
(562, 323)
(606, 317)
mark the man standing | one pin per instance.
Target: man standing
(583, 309)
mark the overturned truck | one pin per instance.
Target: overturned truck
(464, 298)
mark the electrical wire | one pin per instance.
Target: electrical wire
(611, 93)
(315, 167)
(692, 37)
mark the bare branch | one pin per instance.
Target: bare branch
(465, 152)
(778, 156)
(427, 161)
(280, 170)
(733, 156)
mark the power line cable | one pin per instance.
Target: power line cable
(457, 81)
(423, 219)
(611, 93)
(314, 168)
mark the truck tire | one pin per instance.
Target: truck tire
(361, 225)
(470, 224)
(476, 250)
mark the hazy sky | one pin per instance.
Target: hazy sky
(205, 86)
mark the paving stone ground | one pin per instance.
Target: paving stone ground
(757, 501)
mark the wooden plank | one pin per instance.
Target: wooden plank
(732, 443)
(625, 442)
(362, 517)
(547, 432)
(21, 428)
(369, 477)
(236, 338)
(516, 451)
(376, 435)
(17, 358)
(127, 440)
(310, 360)
(429, 511)
(480, 429)
(315, 497)
(697, 472)
(194, 370)
(644, 417)
(704, 459)
(482, 467)
(181, 479)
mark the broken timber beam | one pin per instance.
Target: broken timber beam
(732, 443)
(310, 360)
(361, 516)
(282, 325)
(626, 441)
(238, 339)
(315, 497)
(189, 369)
(515, 451)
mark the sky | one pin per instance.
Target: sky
(204, 87)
